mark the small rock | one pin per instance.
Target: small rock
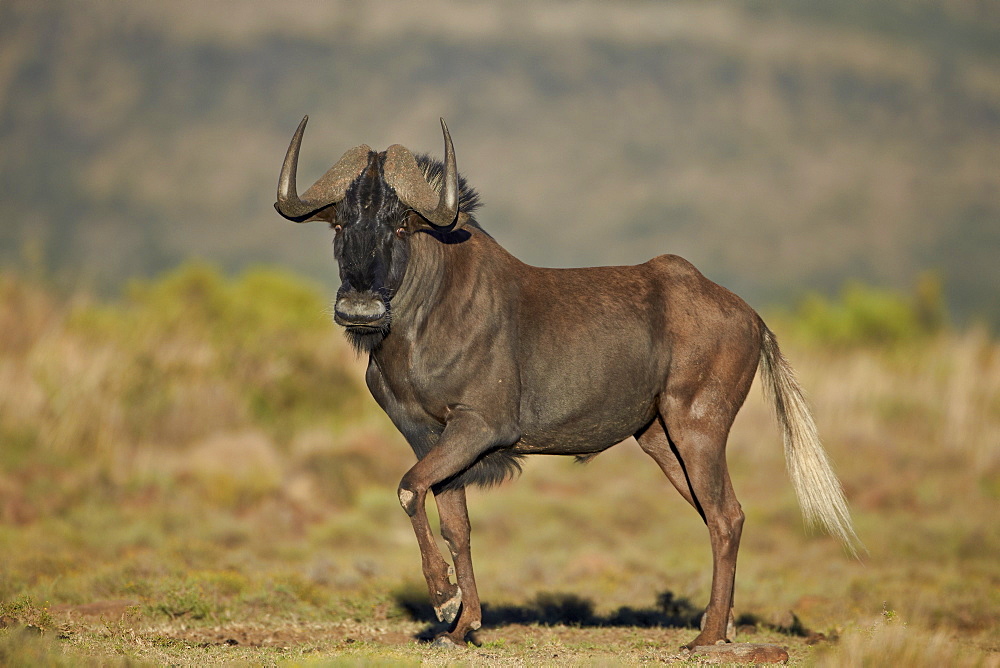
(740, 652)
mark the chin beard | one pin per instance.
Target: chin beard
(366, 339)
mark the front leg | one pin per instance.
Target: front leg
(446, 597)
(465, 438)
(422, 437)
(456, 530)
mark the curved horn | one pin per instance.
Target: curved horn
(448, 206)
(329, 189)
(407, 179)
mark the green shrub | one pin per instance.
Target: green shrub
(867, 316)
(186, 600)
(194, 352)
(24, 611)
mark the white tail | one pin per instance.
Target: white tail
(816, 485)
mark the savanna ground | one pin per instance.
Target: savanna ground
(194, 474)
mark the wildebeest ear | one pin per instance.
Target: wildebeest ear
(329, 214)
(416, 222)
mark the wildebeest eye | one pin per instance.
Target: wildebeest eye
(400, 232)
(337, 227)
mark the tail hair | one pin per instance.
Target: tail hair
(820, 495)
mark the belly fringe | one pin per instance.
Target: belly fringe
(493, 468)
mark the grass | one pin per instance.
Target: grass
(194, 474)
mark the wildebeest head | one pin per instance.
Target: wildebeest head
(374, 202)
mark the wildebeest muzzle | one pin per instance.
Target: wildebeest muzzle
(365, 310)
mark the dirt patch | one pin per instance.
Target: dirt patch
(110, 609)
(289, 635)
(532, 638)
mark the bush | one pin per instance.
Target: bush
(869, 316)
(177, 359)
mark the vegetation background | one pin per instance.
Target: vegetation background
(780, 146)
(191, 470)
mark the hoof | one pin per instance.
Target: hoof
(701, 642)
(448, 611)
(444, 641)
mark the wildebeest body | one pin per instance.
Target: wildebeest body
(480, 360)
(576, 358)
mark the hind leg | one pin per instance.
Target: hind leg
(654, 442)
(692, 454)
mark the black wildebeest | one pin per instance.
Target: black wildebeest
(480, 359)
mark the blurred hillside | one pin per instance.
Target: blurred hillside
(781, 146)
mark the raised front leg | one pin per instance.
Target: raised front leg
(466, 437)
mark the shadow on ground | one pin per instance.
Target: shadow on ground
(552, 609)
